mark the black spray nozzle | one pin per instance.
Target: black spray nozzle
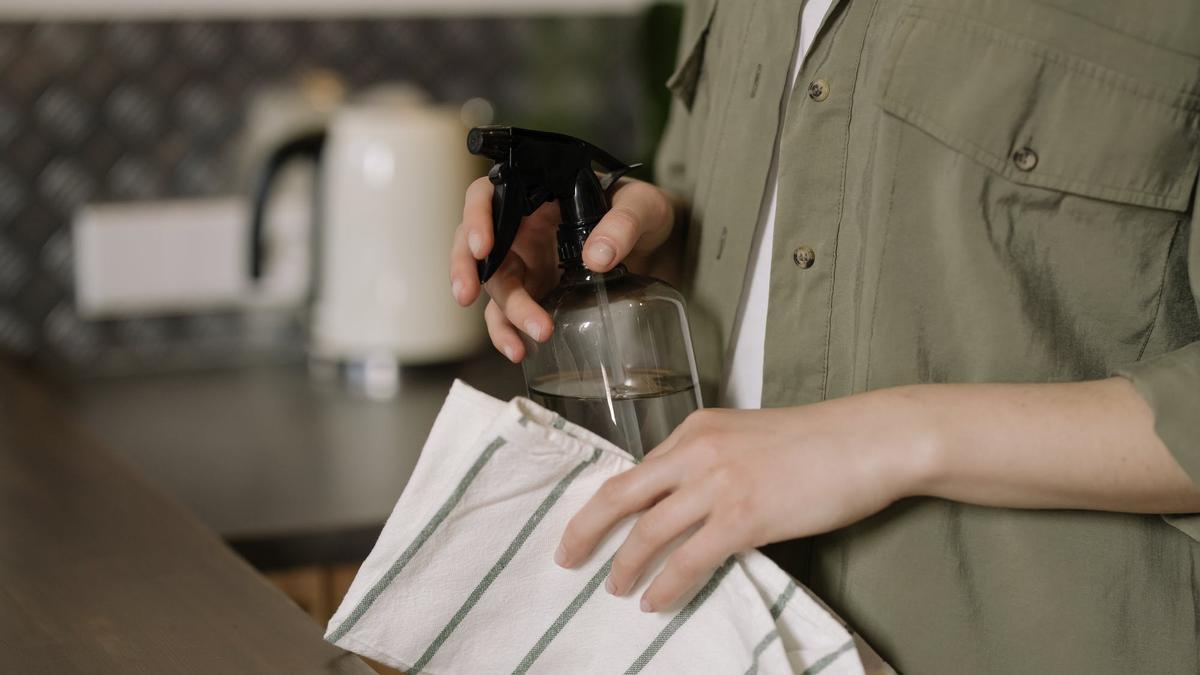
(535, 167)
(491, 142)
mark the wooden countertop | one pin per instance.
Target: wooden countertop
(101, 573)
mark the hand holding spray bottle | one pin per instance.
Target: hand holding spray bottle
(619, 360)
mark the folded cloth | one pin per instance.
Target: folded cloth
(462, 579)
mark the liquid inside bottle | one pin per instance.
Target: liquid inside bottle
(657, 401)
(619, 361)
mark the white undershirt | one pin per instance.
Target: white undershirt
(742, 385)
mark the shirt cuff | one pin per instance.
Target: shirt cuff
(1170, 384)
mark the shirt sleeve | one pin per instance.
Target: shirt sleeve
(675, 163)
(1170, 382)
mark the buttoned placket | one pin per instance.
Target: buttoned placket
(806, 244)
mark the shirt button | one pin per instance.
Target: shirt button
(1025, 159)
(818, 90)
(804, 257)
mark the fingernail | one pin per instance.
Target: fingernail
(533, 329)
(646, 606)
(509, 353)
(560, 556)
(474, 243)
(456, 288)
(610, 586)
(602, 254)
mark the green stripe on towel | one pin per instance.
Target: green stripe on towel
(773, 634)
(828, 659)
(563, 618)
(680, 618)
(426, 532)
(760, 648)
(782, 600)
(505, 558)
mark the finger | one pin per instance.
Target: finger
(535, 243)
(504, 336)
(477, 218)
(507, 288)
(619, 496)
(464, 278)
(654, 529)
(690, 565)
(640, 218)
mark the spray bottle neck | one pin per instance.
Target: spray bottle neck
(575, 272)
(581, 207)
(571, 238)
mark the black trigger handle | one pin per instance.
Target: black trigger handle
(508, 195)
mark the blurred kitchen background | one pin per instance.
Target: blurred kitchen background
(129, 110)
(133, 140)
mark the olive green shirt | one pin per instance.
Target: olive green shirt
(969, 191)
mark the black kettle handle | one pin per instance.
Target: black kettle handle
(306, 146)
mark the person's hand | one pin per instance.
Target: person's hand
(639, 222)
(737, 479)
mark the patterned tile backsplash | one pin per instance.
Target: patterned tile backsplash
(129, 111)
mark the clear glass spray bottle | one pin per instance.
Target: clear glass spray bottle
(619, 360)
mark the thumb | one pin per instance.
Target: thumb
(639, 220)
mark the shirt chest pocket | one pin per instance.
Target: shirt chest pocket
(1035, 202)
(1041, 117)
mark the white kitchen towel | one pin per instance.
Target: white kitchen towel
(462, 579)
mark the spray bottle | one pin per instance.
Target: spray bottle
(619, 360)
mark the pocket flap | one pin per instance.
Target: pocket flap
(1042, 117)
(693, 37)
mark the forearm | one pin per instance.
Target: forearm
(729, 480)
(1088, 445)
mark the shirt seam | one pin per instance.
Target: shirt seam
(1162, 285)
(1114, 29)
(837, 232)
(882, 257)
(1169, 96)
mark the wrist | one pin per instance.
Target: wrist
(915, 447)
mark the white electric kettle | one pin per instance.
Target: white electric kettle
(392, 172)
